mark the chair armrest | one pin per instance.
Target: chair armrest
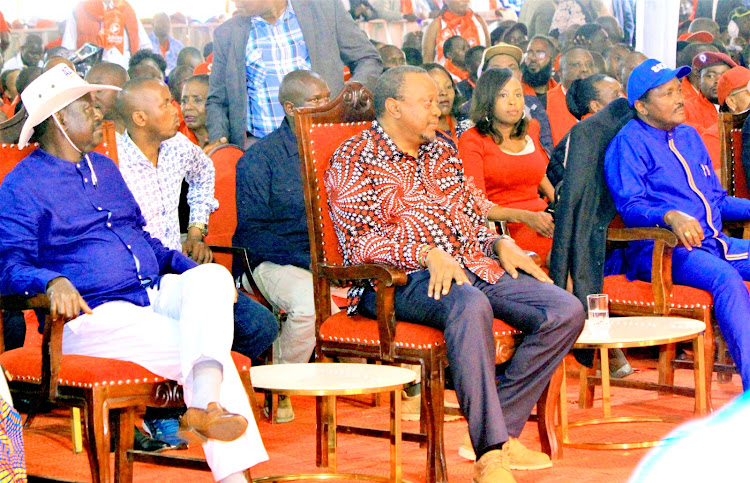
(382, 273)
(636, 234)
(661, 260)
(386, 278)
(242, 253)
(51, 340)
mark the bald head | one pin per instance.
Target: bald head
(110, 74)
(576, 63)
(107, 73)
(630, 62)
(145, 70)
(56, 59)
(302, 88)
(145, 105)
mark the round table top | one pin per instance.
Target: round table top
(640, 332)
(330, 379)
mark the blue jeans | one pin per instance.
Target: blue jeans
(550, 318)
(255, 327)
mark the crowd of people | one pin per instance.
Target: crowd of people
(473, 125)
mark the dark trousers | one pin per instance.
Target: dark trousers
(702, 269)
(550, 318)
(255, 327)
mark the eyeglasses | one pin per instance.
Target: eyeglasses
(539, 54)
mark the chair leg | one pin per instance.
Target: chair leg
(122, 423)
(247, 383)
(433, 400)
(585, 387)
(97, 427)
(667, 354)
(708, 355)
(722, 358)
(545, 409)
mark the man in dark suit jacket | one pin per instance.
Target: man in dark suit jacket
(331, 40)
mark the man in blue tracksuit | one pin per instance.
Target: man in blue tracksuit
(660, 174)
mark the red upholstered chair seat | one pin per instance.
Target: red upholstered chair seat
(361, 330)
(25, 364)
(621, 290)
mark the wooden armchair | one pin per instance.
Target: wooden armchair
(658, 297)
(320, 131)
(108, 390)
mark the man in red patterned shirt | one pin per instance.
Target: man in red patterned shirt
(398, 196)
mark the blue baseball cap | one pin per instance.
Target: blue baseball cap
(649, 74)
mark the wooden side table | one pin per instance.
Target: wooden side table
(325, 381)
(627, 332)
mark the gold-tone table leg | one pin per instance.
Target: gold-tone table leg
(699, 368)
(605, 383)
(395, 435)
(330, 422)
(75, 430)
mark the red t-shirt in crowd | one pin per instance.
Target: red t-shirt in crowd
(560, 119)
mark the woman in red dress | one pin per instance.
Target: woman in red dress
(506, 161)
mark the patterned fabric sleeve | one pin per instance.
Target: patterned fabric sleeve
(12, 456)
(201, 176)
(354, 208)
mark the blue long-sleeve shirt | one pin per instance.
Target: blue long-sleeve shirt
(54, 222)
(271, 218)
(650, 171)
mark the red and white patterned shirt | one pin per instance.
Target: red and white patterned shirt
(386, 206)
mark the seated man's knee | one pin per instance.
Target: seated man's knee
(467, 300)
(211, 275)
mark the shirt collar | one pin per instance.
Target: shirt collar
(132, 153)
(288, 136)
(392, 150)
(284, 17)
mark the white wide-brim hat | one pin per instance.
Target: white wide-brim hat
(51, 92)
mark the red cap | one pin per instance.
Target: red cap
(700, 36)
(707, 59)
(204, 68)
(730, 80)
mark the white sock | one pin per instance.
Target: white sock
(207, 377)
(235, 478)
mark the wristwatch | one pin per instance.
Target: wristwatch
(202, 226)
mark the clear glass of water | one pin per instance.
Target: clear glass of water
(598, 322)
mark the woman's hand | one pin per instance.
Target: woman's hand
(541, 222)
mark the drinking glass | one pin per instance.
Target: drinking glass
(598, 321)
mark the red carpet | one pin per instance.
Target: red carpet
(291, 446)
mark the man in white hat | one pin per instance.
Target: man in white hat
(70, 228)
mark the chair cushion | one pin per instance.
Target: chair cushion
(25, 364)
(343, 328)
(358, 329)
(623, 291)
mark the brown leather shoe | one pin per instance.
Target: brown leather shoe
(494, 467)
(214, 422)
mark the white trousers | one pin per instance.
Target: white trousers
(190, 319)
(290, 289)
